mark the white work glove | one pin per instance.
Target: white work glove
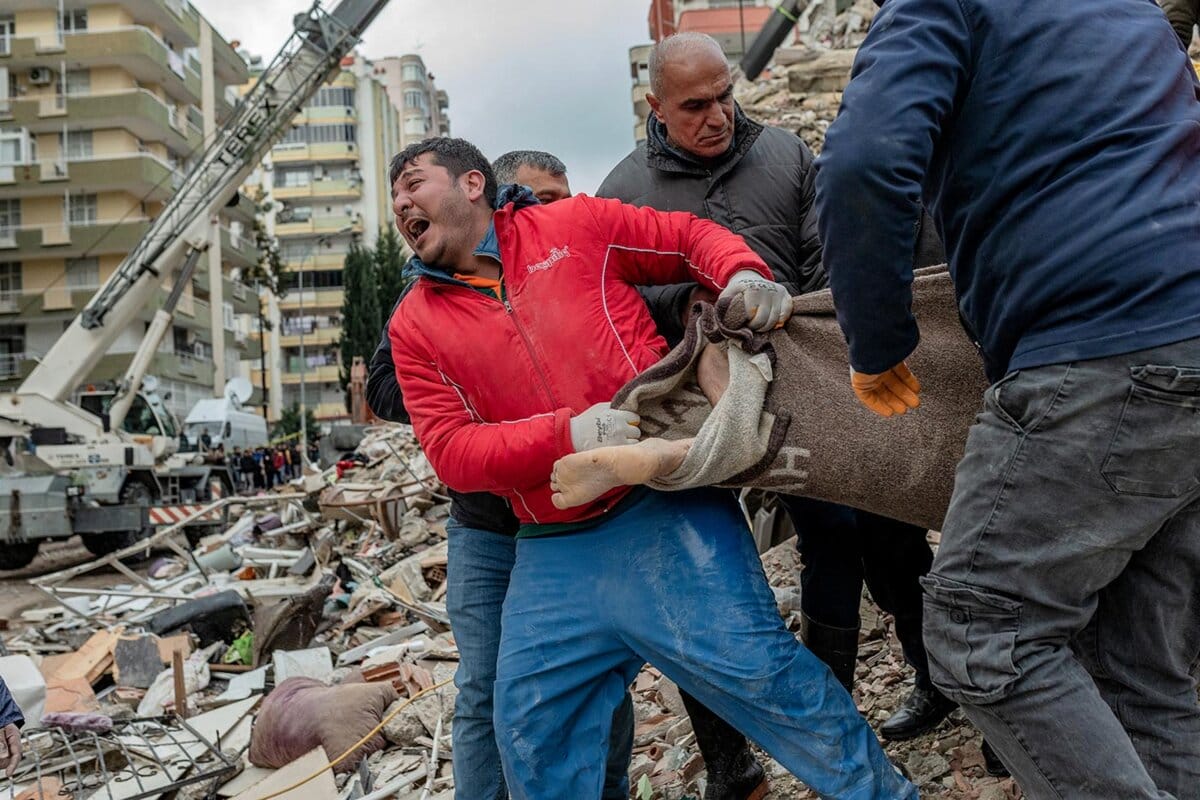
(768, 304)
(604, 426)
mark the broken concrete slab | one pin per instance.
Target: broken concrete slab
(315, 663)
(137, 661)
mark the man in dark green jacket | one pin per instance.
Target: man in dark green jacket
(1183, 16)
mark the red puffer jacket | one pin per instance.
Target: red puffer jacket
(492, 386)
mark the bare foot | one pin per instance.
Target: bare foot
(712, 373)
(582, 477)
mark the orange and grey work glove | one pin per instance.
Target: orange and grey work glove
(768, 304)
(888, 393)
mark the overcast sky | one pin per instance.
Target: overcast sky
(521, 74)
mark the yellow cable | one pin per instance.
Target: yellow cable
(360, 742)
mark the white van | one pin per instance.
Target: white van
(226, 421)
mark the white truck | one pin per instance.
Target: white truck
(97, 468)
(225, 420)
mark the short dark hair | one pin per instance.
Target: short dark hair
(506, 166)
(458, 156)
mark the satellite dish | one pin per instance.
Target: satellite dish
(149, 384)
(239, 389)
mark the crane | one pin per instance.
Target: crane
(83, 471)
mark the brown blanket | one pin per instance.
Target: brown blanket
(790, 422)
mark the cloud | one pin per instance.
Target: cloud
(538, 74)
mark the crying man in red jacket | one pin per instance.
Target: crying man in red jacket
(523, 323)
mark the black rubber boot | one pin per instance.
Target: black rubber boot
(733, 771)
(837, 647)
(992, 763)
(921, 712)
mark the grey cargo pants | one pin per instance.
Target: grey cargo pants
(1063, 608)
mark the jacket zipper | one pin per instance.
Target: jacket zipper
(508, 309)
(528, 347)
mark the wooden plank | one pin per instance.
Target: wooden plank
(91, 661)
(320, 788)
(180, 685)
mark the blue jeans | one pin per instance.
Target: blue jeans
(479, 565)
(674, 579)
(1062, 610)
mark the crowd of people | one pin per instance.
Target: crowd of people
(265, 467)
(1053, 161)
(253, 468)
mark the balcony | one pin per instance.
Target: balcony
(332, 151)
(313, 375)
(341, 189)
(136, 49)
(313, 300)
(312, 337)
(319, 225)
(237, 249)
(183, 367)
(138, 111)
(177, 18)
(311, 261)
(141, 174)
(61, 240)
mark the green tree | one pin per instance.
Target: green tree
(390, 255)
(268, 272)
(362, 316)
(289, 422)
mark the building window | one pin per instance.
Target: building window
(415, 126)
(415, 98)
(12, 349)
(75, 21)
(78, 145)
(10, 217)
(81, 209)
(334, 96)
(227, 315)
(79, 82)
(13, 146)
(293, 177)
(83, 273)
(412, 72)
(10, 281)
(8, 29)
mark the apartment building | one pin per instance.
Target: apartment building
(104, 105)
(327, 180)
(424, 109)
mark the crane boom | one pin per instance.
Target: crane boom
(311, 55)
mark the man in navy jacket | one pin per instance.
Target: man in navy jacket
(1059, 154)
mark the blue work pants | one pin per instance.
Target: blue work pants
(478, 569)
(674, 579)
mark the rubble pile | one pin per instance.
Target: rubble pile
(304, 651)
(307, 637)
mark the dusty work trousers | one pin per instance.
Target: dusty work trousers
(673, 579)
(1062, 610)
(479, 564)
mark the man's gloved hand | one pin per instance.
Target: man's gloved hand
(768, 304)
(888, 393)
(10, 749)
(604, 426)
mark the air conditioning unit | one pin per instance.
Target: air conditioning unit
(41, 76)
